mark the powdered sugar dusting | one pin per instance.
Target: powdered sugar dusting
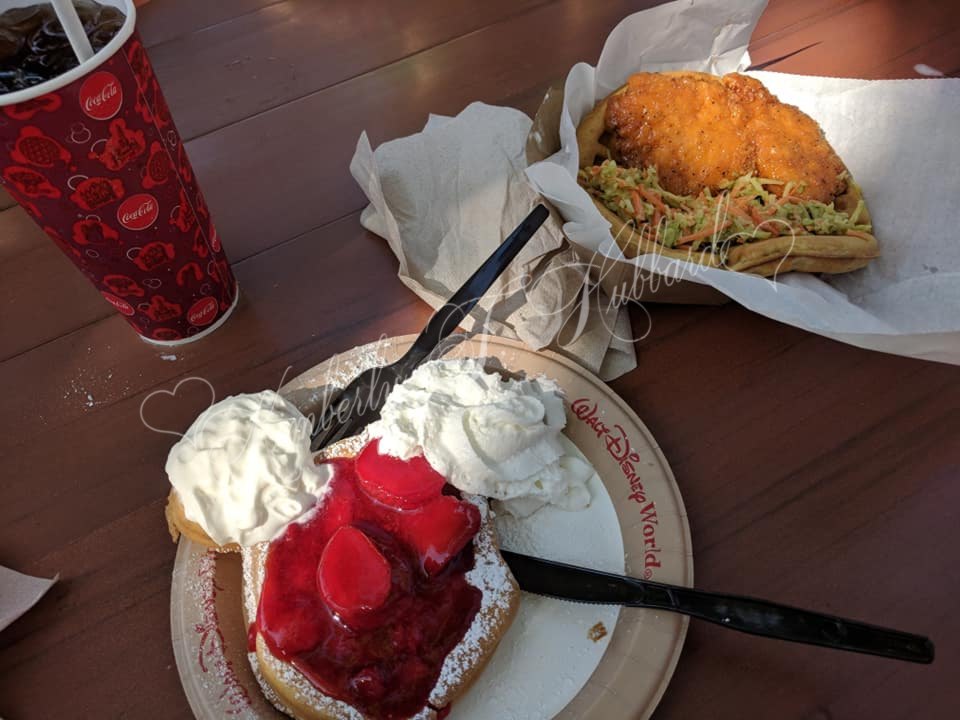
(254, 562)
(211, 656)
(491, 576)
(265, 688)
(252, 580)
(313, 389)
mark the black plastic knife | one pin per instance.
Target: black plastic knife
(748, 615)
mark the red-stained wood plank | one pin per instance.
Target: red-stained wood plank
(42, 294)
(857, 40)
(861, 571)
(939, 53)
(782, 17)
(284, 51)
(99, 619)
(164, 20)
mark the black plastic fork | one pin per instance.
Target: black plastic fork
(359, 403)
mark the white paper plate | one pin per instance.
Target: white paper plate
(546, 665)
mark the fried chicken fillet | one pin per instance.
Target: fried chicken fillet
(699, 131)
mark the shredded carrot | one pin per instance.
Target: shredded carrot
(595, 170)
(784, 199)
(772, 228)
(638, 210)
(740, 212)
(651, 197)
(705, 233)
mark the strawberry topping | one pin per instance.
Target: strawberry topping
(439, 530)
(353, 576)
(402, 484)
(368, 595)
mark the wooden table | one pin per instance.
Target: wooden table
(814, 473)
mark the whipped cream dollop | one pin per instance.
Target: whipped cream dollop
(244, 469)
(487, 435)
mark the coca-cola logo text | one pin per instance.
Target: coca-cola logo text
(202, 312)
(138, 212)
(101, 96)
(119, 303)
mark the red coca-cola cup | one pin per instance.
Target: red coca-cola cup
(95, 159)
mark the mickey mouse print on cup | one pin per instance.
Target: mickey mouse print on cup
(93, 156)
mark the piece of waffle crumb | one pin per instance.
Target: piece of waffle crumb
(597, 632)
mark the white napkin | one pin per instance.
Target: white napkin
(898, 138)
(445, 198)
(19, 593)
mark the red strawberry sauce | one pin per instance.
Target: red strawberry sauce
(331, 615)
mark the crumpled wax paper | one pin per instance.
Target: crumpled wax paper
(446, 197)
(897, 137)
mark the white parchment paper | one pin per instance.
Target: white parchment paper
(446, 197)
(897, 137)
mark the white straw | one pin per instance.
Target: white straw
(74, 29)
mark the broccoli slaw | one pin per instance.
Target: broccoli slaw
(743, 211)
